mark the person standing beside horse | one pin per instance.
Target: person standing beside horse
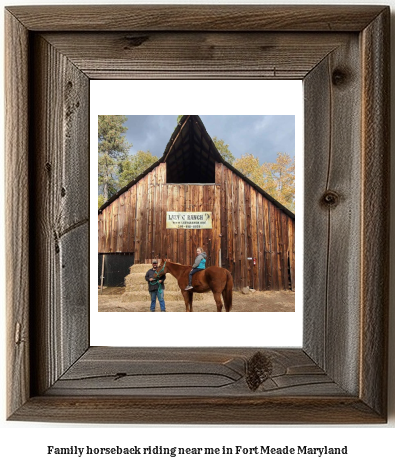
(218, 280)
(156, 287)
(198, 265)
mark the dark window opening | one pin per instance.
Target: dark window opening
(190, 171)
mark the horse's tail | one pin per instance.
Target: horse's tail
(227, 293)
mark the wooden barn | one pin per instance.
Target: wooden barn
(192, 197)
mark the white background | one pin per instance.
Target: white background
(23, 445)
(210, 97)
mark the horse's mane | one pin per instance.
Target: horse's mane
(178, 264)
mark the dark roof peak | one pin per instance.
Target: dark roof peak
(191, 153)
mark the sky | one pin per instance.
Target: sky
(263, 136)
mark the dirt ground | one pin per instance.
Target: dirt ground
(269, 301)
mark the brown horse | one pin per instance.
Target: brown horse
(218, 280)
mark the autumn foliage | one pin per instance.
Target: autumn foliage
(276, 178)
(117, 167)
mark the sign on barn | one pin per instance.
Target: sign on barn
(189, 220)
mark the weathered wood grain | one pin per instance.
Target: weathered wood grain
(73, 328)
(291, 248)
(82, 394)
(352, 380)
(17, 213)
(316, 222)
(212, 372)
(344, 178)
(74, 191)
(180, 245)
(332, 213)
(133, 220)
(198, 18)
(217, 214)
(375, 212)
(267, 247)
(230, 221)
(121, 223)
(59, 200)
(198, 410)
(133, 55)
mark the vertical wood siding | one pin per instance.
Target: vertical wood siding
(245, 225)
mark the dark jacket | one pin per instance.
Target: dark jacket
(155, 286)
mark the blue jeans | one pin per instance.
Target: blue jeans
(194, 270)
(161, 298)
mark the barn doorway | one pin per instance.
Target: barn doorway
(114, 267)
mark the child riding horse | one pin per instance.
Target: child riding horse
(198, 265)
(218, 280)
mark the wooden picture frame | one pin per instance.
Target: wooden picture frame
(340, 373)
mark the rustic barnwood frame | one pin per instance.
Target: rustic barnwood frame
(342, 54)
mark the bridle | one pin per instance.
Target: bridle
(163, 268)
(157, 279)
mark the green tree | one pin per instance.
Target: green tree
(223, 149)
(113, 149)
(101, 200)
(131, 168)
(179, 117)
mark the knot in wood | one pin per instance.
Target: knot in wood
(259, 369)
(120, 375)
(18, 336)
(135, 41)
(330, 199)
(339, 77)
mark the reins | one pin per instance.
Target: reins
(157, 280)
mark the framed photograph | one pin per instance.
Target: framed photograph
(339, 375)
(185, 177)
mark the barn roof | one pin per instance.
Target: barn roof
(190, 153)
(191, 156)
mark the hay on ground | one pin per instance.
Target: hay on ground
(136, 287)
(169, 297)
(137, 282)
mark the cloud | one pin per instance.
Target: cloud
(261, 123)
(263, 136)
(150, 132)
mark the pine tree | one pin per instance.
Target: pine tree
(223, 149)
(131, 168)
(113, 149)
